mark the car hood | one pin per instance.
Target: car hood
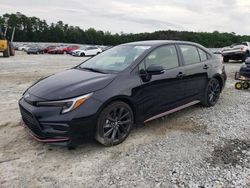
(69, 84)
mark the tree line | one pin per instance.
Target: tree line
(33, 29)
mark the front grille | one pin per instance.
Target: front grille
(30, 121)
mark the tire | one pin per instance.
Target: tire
(225, 59)
(212, 93)
(238, 85)
(114, 123)
(245, 57)
(12, 51)
(246, 85)
(82, 54)
(6, 53)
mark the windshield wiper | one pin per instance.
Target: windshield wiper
(91, 69)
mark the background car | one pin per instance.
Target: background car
(48, 48)
(238, 51)
(129, 84)
(57, 50)
(35, 50)
(87, 51)
(69, 49)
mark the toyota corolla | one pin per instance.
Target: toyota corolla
(128, 84)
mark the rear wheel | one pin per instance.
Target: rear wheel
(12, 51)
(212, 93)
(114, 124)
(238, 85)
(245, 56)
(226, 59)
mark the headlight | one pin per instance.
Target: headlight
(67, 105)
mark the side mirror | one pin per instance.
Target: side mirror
(155, 69)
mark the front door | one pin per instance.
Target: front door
(162, 92)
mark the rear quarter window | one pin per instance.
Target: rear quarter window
(203, 55)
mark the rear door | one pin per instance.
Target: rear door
(196, 67)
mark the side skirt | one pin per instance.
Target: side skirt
(172, 111)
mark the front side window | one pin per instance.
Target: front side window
(190, 54)
(166, 56)
(115, 59)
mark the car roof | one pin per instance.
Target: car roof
(158, 42)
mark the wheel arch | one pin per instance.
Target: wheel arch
(220, 79)
(121, 98)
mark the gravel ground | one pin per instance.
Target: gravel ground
(196, 147)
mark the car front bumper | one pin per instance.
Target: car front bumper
(65, 131)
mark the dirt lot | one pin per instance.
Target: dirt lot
(196, 147)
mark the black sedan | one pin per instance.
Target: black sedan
(128, 84)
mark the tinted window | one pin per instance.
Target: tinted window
(203, 55)
(190, 54)
(165, 56)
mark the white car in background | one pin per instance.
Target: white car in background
(87, 51)
(238, 51)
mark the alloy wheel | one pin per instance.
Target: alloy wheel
(213, 91)
(117, 124)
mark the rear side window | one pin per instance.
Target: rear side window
(166, 56)
(190, 54)
(203, 55)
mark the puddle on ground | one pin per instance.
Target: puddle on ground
(233, 152)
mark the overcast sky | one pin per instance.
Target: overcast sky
(139, 15)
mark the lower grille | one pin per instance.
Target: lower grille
(30, 121)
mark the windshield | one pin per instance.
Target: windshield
(115, 59)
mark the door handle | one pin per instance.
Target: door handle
(205, 67)
(180, 75)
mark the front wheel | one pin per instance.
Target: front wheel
(212, 93)
(114, 124)
(238, 85)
